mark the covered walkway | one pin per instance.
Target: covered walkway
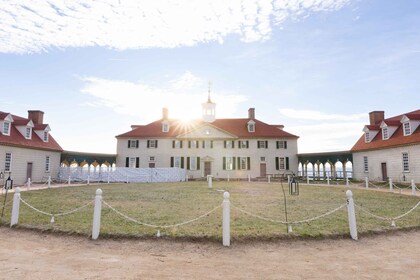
(334, 165)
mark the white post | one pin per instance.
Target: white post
(249, 178)
(351, 215)
(28, 186)
(108, 176)
(413, 188)
(97, 214)
(390, 185)
(226, 219)
(126, 179)
(288, 180)
(347, 181)
(69, 180)
(88, 180)
(366, 182)
(186, 178)
(49, 181)
(210, 181)
(328, 179)
(15, 210)
(228, 178)
(307, 178)
(269, 179)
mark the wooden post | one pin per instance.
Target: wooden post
(97, 215)
(413, 188)
(15, 210)
(226, 219)
(351, 215)
(390, 185)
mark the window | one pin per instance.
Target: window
(365, 164)
(152, 158)
(6, 128)
(152, 144)
(262, 144)
(229, 163)
(367, 139)
(28, 133)
(132, 162)
(177, 162)
(251, 127)
(282, 163)
(406, 166)
(47, 164)
(262, 159)
(8, 162)
(385, 133)
(165, 127)
(407, 129)
(133, 144)
(193, 144)
(281, 144)
(244, 163)
(207, 144)
(193, 163)
(46, 134)
(243, 144)
(177, 144)
(229, 144)
(152, 165)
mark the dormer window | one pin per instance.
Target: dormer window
(46, 134)
(28, 132)
(385, 135)
(251, 126)
(367, 139)
(407, 128)
(165, 127)
(6, 128)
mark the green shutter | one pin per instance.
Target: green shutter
(266, 144)
(156, 143)
(180, 143)
(277, 163)
(249, 163)
(239, 163)
(285, 144)
(211, 144)
(148, 143)
(234, 163)
(182, 162)
(172, 161)
(247, 144)
(129, 144)
(224, 163)
(258, 144)
(239, 144)
(188, 163)
(127, 162)
(287, 163)
(198, 163)
(224, 143)
(137, 162)
(173, 144)
(277, 144)
(233, 144)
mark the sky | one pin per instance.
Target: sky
(316, 66)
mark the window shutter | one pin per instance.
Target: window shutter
(127, 162)
(198, 163)
(277, 144)
(234, 163)
(277, 163)
(173, 144)
(266, 144)
(189, 144)
(156, 143)
(188, 163)
(180, 143)
(204, 144)
(224, 143)
(285, 144)
(182, 162)
(137, 162)
(233, 144)
(129, 142)
(258, 144)
(148, 143)
(239, 144)
(247, 144)
(249, 163)
(172, 161)
(197, 144)
(224, 163)
(239, 163)
(287, 163)
(211, 144)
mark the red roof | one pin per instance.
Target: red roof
(397, 139)
(235, 127)
(18, 140)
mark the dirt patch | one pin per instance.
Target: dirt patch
(34, 255)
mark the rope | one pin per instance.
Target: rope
(293, 222)
(160, 226)
(376, 186)
(386, 218)
(58, 214)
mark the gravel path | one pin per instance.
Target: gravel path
(34, 255)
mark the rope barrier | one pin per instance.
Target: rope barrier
(408, 187)
(386, 218)
(376, 186)
(160, 226)
(58, 214)
(293, 222)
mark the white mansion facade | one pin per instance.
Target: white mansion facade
(223, 148)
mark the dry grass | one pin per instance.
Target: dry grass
(171, 203)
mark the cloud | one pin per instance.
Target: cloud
(144, 101)
(322, 132)
(38, 26)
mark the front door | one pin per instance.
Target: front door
(207, 168)
(384, 172)
(29, 171)
(263, 169)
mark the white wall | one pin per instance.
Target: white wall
(393, 159)
(20, 159)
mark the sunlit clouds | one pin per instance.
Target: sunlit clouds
(39, 26)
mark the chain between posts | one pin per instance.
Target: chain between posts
(58, 214)
(387, 218)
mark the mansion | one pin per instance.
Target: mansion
(223, 148)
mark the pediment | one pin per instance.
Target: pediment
(207, 131)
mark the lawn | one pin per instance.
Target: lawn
(173, 203)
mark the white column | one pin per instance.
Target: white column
(413, 188)
(15, 210)
(328, 179)
(390, 185)
(307, 178)
(69, 180)
(351, 215)
(97, 215)
(226, 219)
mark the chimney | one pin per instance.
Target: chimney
(165, 113)
(36, 116)
(251, 113)
(376, 116)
